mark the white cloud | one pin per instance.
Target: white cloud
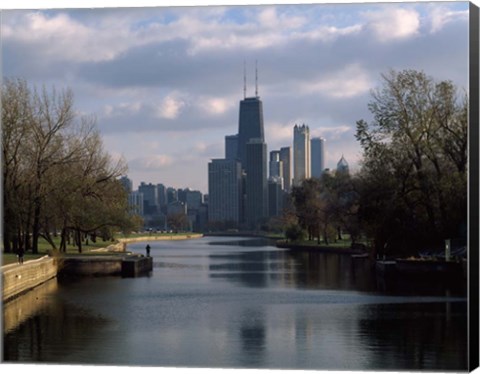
(346, 83)
(393, 23)
(328, 33)
(215, 105)
(151, 162)
(170, 107)
(441, 16)
(122, 109)
(330, 133)
(60, 37)
(271, 19)
(279, 132)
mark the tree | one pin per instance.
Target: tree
(16, 116)
(177, 221)
(415, 156)
(56, 174)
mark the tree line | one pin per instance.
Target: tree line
(411, 190)
(57, 177)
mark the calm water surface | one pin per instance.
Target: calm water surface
(223, 302)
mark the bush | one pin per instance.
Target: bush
(294, 233)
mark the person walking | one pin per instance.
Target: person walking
(20, 255)
(148, 250)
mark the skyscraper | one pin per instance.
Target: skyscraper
(342, 166)
(301, 154)
(162, 196)
(286, 158)
(275, 165)
(150, 197)
(250, 125)
(171, 195)
(126, 183)
(135, 203)
(231, 147)
(256, 207)
(275, 196)
(224, 191)
(317, 156)
(252, 154)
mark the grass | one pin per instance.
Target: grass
(344, 243)
(148, 234)
(44, 248)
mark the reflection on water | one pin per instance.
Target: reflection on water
(48, 323)
(213, 304)
(20, 309)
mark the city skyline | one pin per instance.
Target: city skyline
(165, 83)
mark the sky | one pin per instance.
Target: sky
(164, 83)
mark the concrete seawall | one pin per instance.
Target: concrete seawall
(19, 309)
(160, 237)
(127, 265)
(18, 279)
(121, 246)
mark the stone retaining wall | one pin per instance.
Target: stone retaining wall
(121, 246)
(160, 237)
(18, 279)
(19, 309)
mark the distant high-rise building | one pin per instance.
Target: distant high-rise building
(301, 154)
(317, 156)
(224, 191)
(126, 183)
(193, 199)
(135, 203)
(150, 197)
(342, 166)
(182, 195)
(177, 207)
(250, 125)
(275, 196)
(275, 165)
(231, 147)
(286, 159)
(256, 190)
(162, 196)
(171, 195)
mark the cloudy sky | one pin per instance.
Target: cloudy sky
(164, 83)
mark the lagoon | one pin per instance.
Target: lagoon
(243, 303)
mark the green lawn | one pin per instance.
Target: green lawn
(44, 248)
(148, 234)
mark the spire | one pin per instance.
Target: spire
(256, 79)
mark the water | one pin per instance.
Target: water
(238, 303)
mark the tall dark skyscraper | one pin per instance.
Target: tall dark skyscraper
(286, 158)
(150, 197)
(231, 147)
(317, 149)
(256, 207)
(250, 125)
(224, 191)
(240, 195)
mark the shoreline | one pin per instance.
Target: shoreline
(20, 279)
(323, 249)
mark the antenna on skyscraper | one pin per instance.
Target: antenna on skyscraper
(244, 80)
(256, 79)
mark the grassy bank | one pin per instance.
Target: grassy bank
(153, 234)
(45, 248)
(342, 246)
